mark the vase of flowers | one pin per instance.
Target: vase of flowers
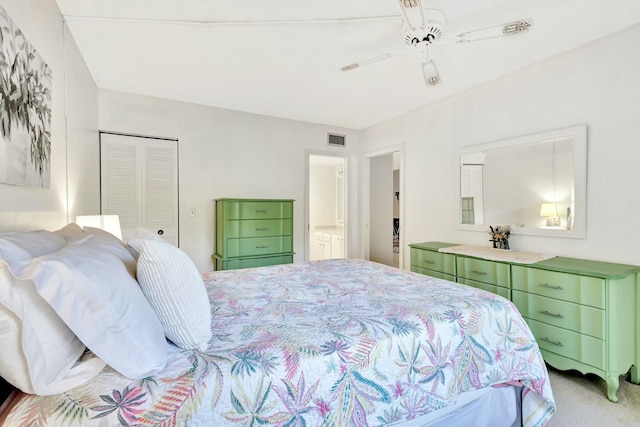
(500, 236)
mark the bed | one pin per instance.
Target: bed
(326, 343)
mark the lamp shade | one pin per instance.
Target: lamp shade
(549, 210)
(108, 223)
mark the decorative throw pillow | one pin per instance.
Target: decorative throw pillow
(89, 286)
(174, 288)
(39, 352)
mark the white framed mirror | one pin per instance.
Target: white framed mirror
(536, 183)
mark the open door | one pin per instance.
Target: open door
(382, 216)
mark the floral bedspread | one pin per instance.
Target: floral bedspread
(325, 343)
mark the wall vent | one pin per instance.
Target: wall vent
(336, 140)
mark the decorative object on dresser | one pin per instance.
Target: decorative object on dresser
(253, 233)
(500, 236)
(583, 313)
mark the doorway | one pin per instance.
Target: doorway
(326, 207)
(383, 200)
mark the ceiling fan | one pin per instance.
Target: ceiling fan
(423, 27)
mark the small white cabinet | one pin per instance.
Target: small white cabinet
(328, 244)
(337, 246)
(324, 245)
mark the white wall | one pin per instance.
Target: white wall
(224, 153)
(83, 154)
(73, 126)
(322, 202)
(381, 209)
(597, 84)
(396, 189)
(322, 195)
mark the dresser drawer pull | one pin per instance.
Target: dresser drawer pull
(479, 273)
(261, 229)
(545, 285)
(558, 343)
(559, 316)
(262, 247)
(426, 261)
(261, 211)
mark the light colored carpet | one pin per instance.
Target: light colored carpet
(581, 400)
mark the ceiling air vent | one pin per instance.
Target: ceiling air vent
(336, 140)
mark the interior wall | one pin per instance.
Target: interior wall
(74, 120)
(224, 153)
(322, 195)
(381, 209)
(597, 84)
(396, 189)
(83, 177)
(322, 202)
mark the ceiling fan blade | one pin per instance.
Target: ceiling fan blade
(372, 60)
(413, 13)
(510, 28)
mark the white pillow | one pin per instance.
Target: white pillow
(17, 247)
(174, 288)
(144, 233)
(134, 245)
(91, 289)
(101, 232)
(13, 363)
(70, 232)
(39, 352)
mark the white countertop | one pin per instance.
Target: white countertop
(330, 229)
(497, 254)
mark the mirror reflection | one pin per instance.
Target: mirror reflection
(535, 183)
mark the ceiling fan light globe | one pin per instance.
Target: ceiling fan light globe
(430, 72)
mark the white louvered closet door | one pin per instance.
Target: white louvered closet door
(139, 182)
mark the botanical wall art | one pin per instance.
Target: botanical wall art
(25, 109)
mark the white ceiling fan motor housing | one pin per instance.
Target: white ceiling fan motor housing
(426, 34)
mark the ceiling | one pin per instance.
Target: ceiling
(282, 58)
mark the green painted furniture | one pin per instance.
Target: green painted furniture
(253, 233)
(584, 314)
(426, 259)
(491, 276)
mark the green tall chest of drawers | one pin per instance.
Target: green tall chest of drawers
(253, 233)
(584, 314)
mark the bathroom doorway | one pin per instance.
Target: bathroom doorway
(326, 207)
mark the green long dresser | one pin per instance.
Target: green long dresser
(584, 314)
(253, 233)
